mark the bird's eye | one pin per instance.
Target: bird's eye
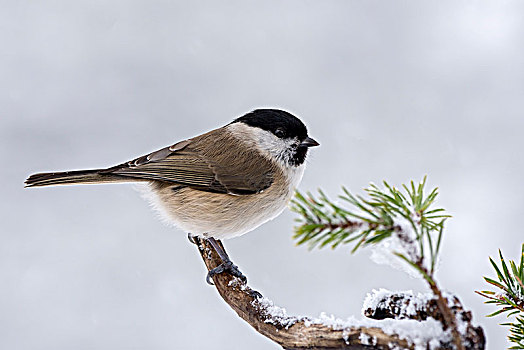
(280, 133)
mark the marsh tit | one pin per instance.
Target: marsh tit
(217, 185)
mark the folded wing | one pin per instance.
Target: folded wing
(211, 162)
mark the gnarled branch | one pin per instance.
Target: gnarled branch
(299, 332)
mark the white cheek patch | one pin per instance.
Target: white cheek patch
(281, 149)
(267, 142)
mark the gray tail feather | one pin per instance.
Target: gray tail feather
(74, 177)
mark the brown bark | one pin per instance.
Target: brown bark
(293, 332)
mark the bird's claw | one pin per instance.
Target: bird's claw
(192, 238)
(228, 267)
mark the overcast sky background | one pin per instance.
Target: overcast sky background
(391, 89)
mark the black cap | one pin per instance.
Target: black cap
(281, 123)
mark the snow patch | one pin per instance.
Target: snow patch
(276, 314)
(366, 339)
(403, 241)
(421, 334)
(238, 283)
(411, 302)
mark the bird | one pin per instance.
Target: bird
(218, 185)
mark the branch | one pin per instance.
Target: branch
(296, 332)
(405, 305)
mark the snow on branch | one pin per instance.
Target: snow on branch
(384, 304)
(396, 331)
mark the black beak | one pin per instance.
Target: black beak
(309, 142)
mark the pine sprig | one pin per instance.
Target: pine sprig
(510, 298)
(405, 214)
(404, 217)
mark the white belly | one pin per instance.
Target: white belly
(223, 216)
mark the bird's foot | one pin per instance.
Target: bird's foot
(226, 266)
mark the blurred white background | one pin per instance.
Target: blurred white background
(392, 90)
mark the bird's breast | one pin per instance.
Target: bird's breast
(220, 215)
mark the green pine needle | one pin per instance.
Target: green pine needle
(370, 219)
(510, 299)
